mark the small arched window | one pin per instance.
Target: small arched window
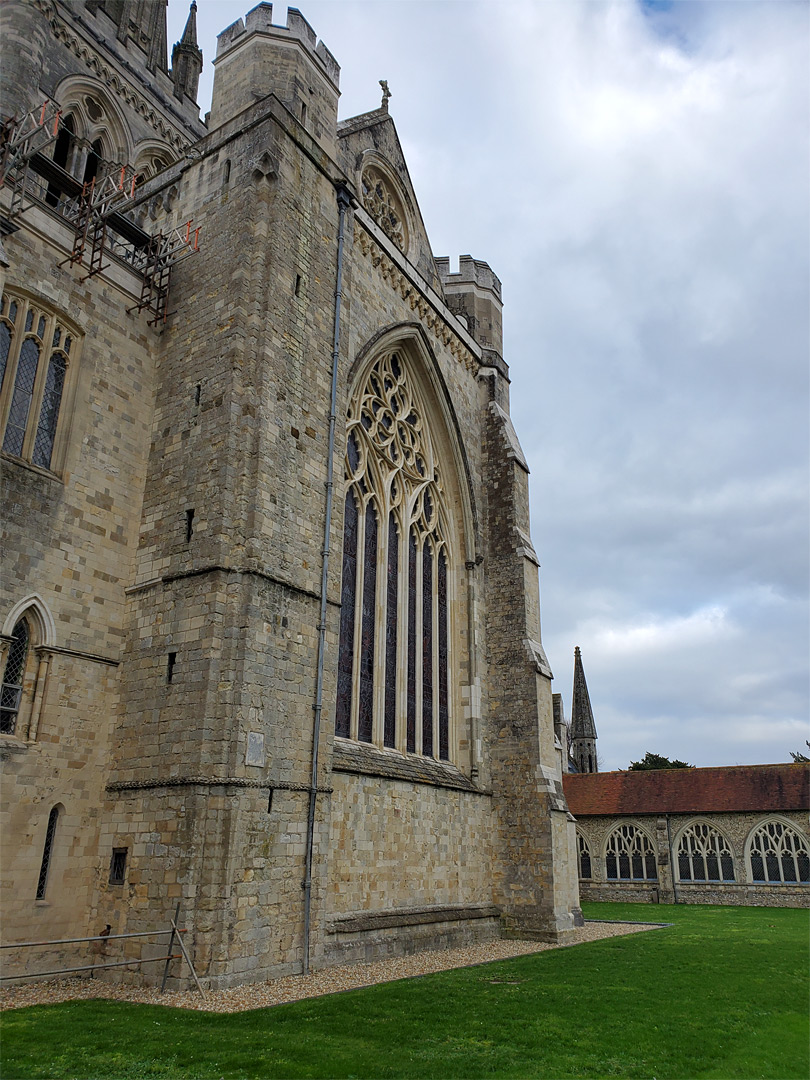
(47, 852)
(36, 350)
(13, 676)
(778, 855)
(584, 853)
(704, 855)
(394, 658)
(630, 856)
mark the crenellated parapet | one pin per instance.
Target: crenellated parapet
(256, 58)
(474, 293)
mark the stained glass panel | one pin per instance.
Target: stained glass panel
(411, 688)
(365, 720)
(348, 590)
(49, 414)
(11, 691)
(5, 348)
(427, 650)
(21, 399)
(444, 711)
(390, 725)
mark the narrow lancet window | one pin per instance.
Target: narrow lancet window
(365, 719)
(347, 605)
(389, 733)
(50, 834)
(444, 711)
(427, 651)
(49, 413)
(21, 399)
(411, 643)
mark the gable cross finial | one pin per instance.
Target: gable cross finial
(386, 94)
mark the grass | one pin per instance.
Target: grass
(721, 993)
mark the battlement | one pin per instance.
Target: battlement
(259, 20)
(473, 293)
(470, 272)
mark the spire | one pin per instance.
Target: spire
(190, 33)
(187, 59)
(583, 729)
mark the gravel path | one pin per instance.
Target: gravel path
(294, 987)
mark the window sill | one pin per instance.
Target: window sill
(11, 744)
(368, 760)
(46, 474)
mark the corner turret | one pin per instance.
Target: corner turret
(474, 293)
(583, 728)
(187, 59)
(255, 58)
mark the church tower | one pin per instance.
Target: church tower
(583, 729)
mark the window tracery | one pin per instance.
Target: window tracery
(779, 855)
(36, 349)
(584, 856)
(394, 658)
(630, 856)
(384, 206)
(704, 855)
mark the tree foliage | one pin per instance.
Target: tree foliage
(658, 761)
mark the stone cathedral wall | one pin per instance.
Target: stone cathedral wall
(69, 536)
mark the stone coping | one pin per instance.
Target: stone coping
(358, 921)
(362, 758)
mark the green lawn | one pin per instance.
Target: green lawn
(723, 992)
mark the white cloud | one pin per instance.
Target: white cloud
(657, 634)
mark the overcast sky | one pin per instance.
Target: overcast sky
(637, 174)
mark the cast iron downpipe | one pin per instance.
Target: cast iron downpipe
(344, 202)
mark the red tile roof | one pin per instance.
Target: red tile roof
(679, 791)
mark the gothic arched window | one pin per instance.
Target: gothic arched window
(584, 856)
(36, 349)
(778, 855)
(630, 856)
(13, 676)
(394, 658)
(704, 855)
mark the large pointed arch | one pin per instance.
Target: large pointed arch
(408, 540)
(412, 339)
(34, 608)
(97, 116)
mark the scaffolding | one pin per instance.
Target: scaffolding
(164, 251)
(20, 141)
(99, 211)
(90, 213)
